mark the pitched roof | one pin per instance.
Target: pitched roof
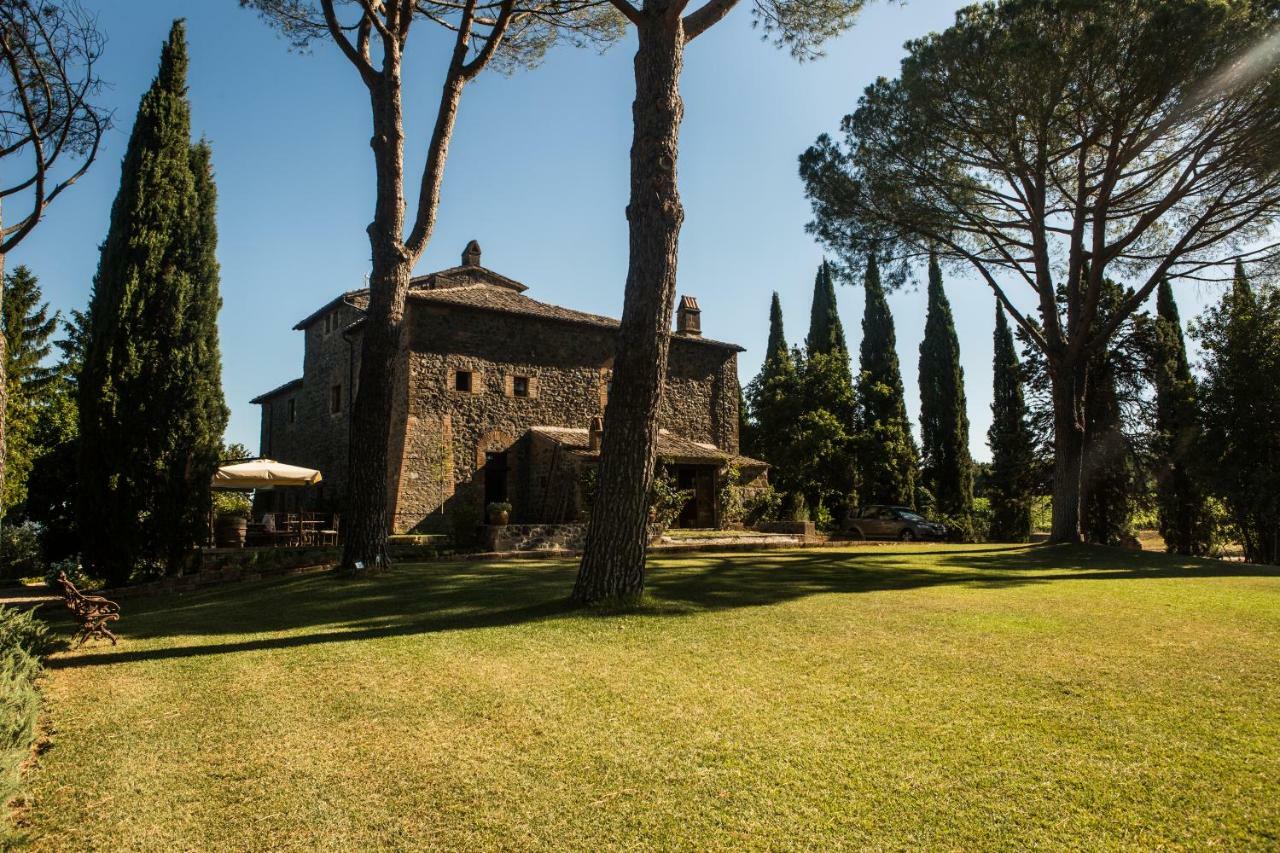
(480, 288)
(357, 299)
(274, 392)
(483, 297)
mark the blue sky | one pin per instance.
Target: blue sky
(537, 173)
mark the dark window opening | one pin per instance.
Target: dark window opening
(462, 381)
(293, 410)
(335, 399)
(520, 386)
(495, 478)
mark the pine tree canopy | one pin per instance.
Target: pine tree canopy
(944, 418)
(28, 325)
(27, 329)
(151, 405)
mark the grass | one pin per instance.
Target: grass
(892, 698)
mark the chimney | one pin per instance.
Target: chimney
(594, 434)
(689, 318)
(471, 255)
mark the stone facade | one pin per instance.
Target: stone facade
(481, 366)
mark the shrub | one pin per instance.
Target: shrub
(588, 480)
(666, 499)
(797, 508)
(20, 552)
(235, 504)
(733, 509)
(20, 629)
(71, 568)
(822, 518)
(22, 639)
(762, 505)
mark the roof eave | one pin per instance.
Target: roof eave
(276, 392)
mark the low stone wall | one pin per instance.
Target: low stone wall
(544, 537)
(791, 528)
(536, 537)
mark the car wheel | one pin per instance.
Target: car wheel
(856, 534)
(907, 536)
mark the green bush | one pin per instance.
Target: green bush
(20, 553)
(762, 505)
(20, 629)
(666, 499)
(236, 504)
(72, 569)
(22, 638)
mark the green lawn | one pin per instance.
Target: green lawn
(890, 697)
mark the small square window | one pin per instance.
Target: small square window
(520, 386)
(462, 381)
(293, 410)
(335, 399)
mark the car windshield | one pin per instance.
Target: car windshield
(910, 516)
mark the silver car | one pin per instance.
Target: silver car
(894, 522)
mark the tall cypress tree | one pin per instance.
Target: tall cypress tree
(947, 468)
(150, 392)
(826, 332)
(1012, 454)
(1240, 338)
(822, 435)
(886, 451)
(195, 407)
(1185, 522)
(774, 397)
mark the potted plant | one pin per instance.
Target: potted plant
(499, 514)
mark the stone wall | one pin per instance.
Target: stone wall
(568, 367)
(440, 436)
(316, 437)
(536, 537)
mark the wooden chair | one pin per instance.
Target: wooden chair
(292, 533)
(329, 535)
(92, 611)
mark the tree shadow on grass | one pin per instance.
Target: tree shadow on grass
(456, 596)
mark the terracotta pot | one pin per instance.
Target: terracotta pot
(499, 519)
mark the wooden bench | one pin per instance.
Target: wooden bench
(92, 611)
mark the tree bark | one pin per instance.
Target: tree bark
(4, 395)
(613, 561)
(365, 533)
(1068, 454)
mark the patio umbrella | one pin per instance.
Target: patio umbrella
(263, 474)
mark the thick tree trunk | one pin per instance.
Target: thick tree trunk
(1068, 456)
(4, 395)
(367, 524)
(612, 567)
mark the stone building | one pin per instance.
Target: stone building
(499, 400)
